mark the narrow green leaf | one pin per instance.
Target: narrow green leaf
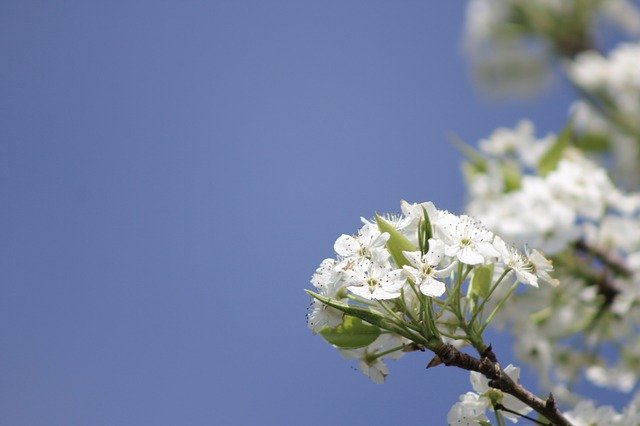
(351, 334)
(397, 242)
(369, 316)
(594, 142)
(481, 280)
(553, 155)
(425, 231)
(512, 177)
(477, 162)
(362, 313)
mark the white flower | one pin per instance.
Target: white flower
(371, 364)
(321, 315)
(481, 385)
(423, 271)
(415, 211)
(372, 280)
(467, 240)
(368, 244)
(327, 279)
(513, 259)
(585, 413)
(613, 378)
(413, 214)
(541, 266)
(582, 185)
(469, 411)
(504, 141)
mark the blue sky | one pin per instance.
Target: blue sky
(171, 174)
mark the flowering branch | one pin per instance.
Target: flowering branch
(498, 379)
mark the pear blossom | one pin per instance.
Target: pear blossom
(541, 266)
(480, 385)
(423, 270)
(469, 411)
(327, 279)
(613, 378)
(368, 244)
(372, 280)
(371, 364)
(585, 413)
(514, 260)
(467, 240)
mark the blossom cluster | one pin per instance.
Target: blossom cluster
(574, 212)
(397, 264)
(513, 42)
(608, 116)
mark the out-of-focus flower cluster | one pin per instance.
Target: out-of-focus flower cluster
(545, 192)
(608, 118)
(513, 42)
(428, 271)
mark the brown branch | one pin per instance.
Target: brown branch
(452, 357)
(615, 264)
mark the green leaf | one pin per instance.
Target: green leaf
(351, 334)
(594, 142)
(370, 316)
(477, 162)
(397, 242)
(481, 281)
(425, 231)
(553, 155)
(512, 177)
(355, 311)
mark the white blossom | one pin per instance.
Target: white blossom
(467, 240)
(372, 280)
(423, 270)
(368, 244)
(469, 411)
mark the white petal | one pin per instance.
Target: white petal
(435, 253)
(412, 273)
(362, 291)
(470, 257)
(392, 280)
(346, 245)
(487, 249)
(432, 288)
(414, 258)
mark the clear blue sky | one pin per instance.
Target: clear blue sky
(171, 173)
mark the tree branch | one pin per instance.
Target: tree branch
(452, 357)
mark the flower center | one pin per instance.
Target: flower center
(373, 283)
(364, 252)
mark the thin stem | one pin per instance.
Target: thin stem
(497, 308)
(499, 417)
(457, 292)
(422, 322)
(397, 320)
(491, 290)
(456, 288)
(387, 352)
(503, 408)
